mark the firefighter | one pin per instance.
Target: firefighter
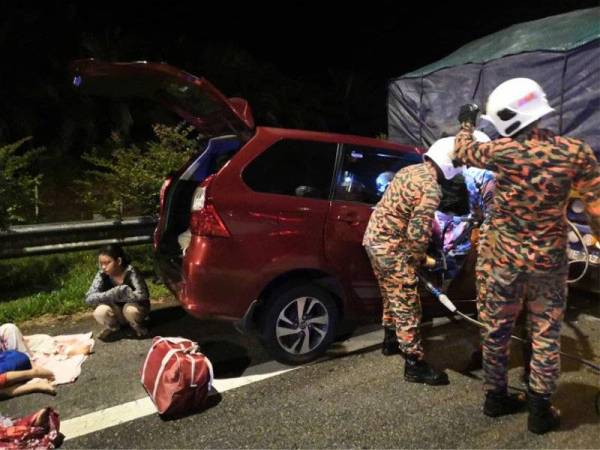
(396, 240)
(527, 238)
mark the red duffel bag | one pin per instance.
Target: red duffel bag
(176, 375)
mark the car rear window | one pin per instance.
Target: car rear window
(218, 151)
(293, 167)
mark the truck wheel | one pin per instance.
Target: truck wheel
(299, 323)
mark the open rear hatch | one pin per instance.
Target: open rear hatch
(228, 122)
(193, 98)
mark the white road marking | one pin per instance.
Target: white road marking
(136, 409)
(109, 417)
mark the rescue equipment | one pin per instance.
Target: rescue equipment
(445, 300)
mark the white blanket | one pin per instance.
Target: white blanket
(63, 355)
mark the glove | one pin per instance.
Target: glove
(430, 262)
(468, 113)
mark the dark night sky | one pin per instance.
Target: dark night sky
(307, 42)
(384, 38)
(319, 65)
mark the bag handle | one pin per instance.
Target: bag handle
(172, 340)
(192, 349)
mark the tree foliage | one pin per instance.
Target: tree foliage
(17, 184)
(128, 180)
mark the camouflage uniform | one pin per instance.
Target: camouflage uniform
(396, 240)
(480, 186)
(527, 241)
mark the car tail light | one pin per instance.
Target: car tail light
(205, 220)
(199, 198)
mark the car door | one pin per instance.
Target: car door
(362, 176)
(290, 183)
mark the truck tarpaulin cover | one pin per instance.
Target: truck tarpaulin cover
(561, 53)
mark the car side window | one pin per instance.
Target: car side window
(366, 172)
(293, 167)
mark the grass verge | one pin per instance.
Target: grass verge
(56, 284)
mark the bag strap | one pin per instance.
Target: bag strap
(208, 365)
(172, 340)
(210, 371)
(163, 364)
(193, 361)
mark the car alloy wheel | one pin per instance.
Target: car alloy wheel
(298, 323)
(302, 325)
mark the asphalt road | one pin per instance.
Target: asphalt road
(351, 399)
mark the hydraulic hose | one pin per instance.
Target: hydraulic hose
(445, 300)
(585, 251)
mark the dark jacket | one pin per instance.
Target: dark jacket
(104, 291)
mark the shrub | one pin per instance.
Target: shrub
(128, 181)
(17, 185)
(56, 284)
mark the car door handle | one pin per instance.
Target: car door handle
(351, 219)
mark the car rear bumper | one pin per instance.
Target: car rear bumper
(213, 284)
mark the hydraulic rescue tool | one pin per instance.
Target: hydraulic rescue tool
(445, 300)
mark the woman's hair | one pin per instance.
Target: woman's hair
(115, 251)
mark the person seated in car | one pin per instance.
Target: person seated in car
(119, 294)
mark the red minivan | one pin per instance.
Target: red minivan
(264, 226)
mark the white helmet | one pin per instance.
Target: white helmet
(442, 153)
(515, 104)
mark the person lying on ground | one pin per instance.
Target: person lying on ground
(15, 382)
(11, 338)
(16, 370)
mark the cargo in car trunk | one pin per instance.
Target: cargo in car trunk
(175, 217)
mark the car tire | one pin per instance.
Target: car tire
(291, 339)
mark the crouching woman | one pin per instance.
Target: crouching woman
(119, 294)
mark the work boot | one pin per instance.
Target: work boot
(390, 342)
(418, 371)
(501, 403)
(543, 417)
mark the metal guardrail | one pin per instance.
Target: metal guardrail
(39, 239)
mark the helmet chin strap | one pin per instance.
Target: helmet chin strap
(438, 171)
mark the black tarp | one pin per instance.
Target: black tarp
(561, 53)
